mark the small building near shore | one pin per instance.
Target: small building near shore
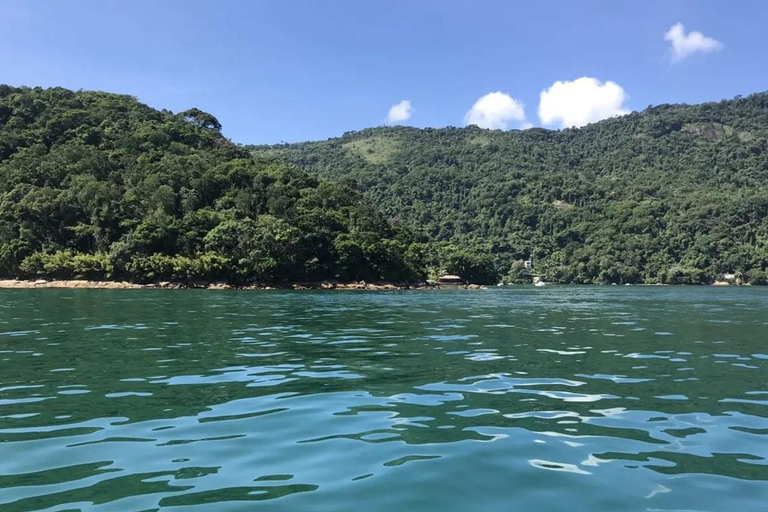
(450, 279)
(731, 278)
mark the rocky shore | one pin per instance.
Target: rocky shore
(325, 285)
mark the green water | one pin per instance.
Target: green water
(559, 398)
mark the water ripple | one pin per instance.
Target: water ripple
(601, 399)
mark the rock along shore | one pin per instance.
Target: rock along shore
(116, 285)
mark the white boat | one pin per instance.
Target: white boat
(539, 283)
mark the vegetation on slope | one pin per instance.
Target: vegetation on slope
(674, 194)
(100, 186)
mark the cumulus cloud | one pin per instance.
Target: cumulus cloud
(582, 101)
(495, 111)
(684, 45)
(400, 112)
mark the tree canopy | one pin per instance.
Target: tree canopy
(673, 194)
(100, 186)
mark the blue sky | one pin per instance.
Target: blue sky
(284, 70)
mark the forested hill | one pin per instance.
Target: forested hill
(673, 194)
(100, 186)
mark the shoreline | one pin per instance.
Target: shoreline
(25, 284)
(85, 284)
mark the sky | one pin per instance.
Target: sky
(293, 70)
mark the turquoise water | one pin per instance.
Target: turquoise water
(559, 398)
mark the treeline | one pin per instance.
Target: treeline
(675, 194)
(100, 186)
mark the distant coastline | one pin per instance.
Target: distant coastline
(168, 285)
(99, 187)
(26, 284)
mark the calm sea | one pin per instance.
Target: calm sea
(550, 399)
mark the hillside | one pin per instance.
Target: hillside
(100, 186)
(673, 194)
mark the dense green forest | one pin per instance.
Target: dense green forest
(674, 194)
(100, 186)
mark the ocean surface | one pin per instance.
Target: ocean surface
(547, 399)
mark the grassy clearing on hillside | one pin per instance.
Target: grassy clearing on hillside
(375, 150)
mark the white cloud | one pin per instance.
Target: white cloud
(582, 101)
(400, 112)
(495, 111)
(684, 45)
